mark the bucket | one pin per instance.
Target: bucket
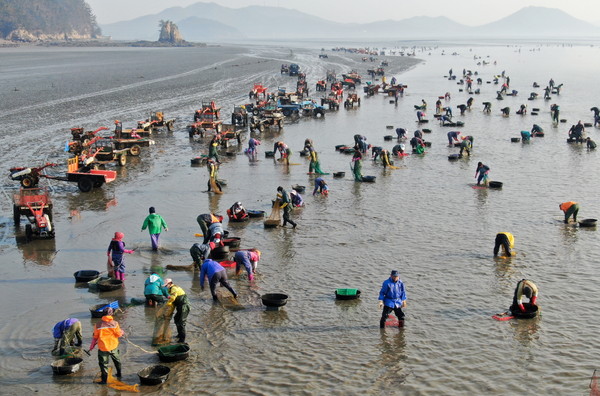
(531, 311)
(86, 275)
(339, 147)
(274, 299)
(347, 294)
(66, 366)
(154, 375)
(389, 127)
(299, 188)
(427, 144)
(369, 179)
(269, 154)
(233, 242)
(426, 130)
(173, 353)
(339, 174)
(588, 223)
(388, 137)
(515, 140)
(453, 157)
(495, 184)
(110, 284)
(256, 213)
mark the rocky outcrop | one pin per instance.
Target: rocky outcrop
(25, 36)
(169, 33)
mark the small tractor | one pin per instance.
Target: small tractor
(35, 204)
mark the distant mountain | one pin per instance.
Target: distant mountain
(201, 30)
(217, 23)
(536, 22)
(34, 20)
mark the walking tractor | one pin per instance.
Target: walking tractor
(209, 117)
(35, 204)
(82, 174)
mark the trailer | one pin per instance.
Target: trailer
(35, 204)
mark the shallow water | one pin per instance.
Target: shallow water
(423, 219)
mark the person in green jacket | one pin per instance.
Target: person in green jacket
(155, 223)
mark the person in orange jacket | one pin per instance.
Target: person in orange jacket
(106, 336)
(570, 208)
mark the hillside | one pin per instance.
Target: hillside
(258, 22)
(34, 20)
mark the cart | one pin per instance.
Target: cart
(36, 205)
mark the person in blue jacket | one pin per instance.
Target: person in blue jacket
(215, 274)
(321, 187)
(154, 291)
(392, 297)
(65, 332)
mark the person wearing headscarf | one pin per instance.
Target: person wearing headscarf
(115, 251)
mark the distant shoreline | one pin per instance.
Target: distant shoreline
(99, 43)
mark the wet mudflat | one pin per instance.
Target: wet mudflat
(423, 219)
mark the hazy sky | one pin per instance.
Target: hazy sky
(468, 12)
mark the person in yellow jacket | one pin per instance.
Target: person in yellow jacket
(507, 241)
(106, 336)
(570, 209)
(178, 299)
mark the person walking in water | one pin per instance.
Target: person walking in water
(483, 171)
(392, 297)
(252, 150)
(506, 240)
(155, 224)
(356, 165)
(286, 205)
(526, 288)
(555, 112)
(115, 252)
(569, 208)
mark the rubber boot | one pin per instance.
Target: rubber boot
(382, 323)
(251, 277)
(103, 379)
(401, 323)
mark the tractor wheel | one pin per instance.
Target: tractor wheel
(219, 128)
(319, 113)
(85, 184)
(255, 112)
(170, 126)
(280, 124)
(16, 215)
(261, 127)
(191, 133)
(98, 183)
(28, 233)
(135, 150)
(122, 160)
(287, 112)
(358, 102)
(29, 181)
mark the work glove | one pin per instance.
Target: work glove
(380, 304)
(522, 307)
(404, 304)
(533, 300)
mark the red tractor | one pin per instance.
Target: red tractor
(35, 204)
(209, 117)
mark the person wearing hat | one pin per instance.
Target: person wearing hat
(199, 253)
(65, 333)
(118, 128)
(321, 187)
(507, 241)
(392, 297)
(178, 299)
(526, 288)
(285, 204)
(106, 336)
(205, 220)
(247, 258)
(155, 224)
(215, 274)
(117, 248)
(570, 208)
(154, 291)
(237, 212)
(465, 145)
